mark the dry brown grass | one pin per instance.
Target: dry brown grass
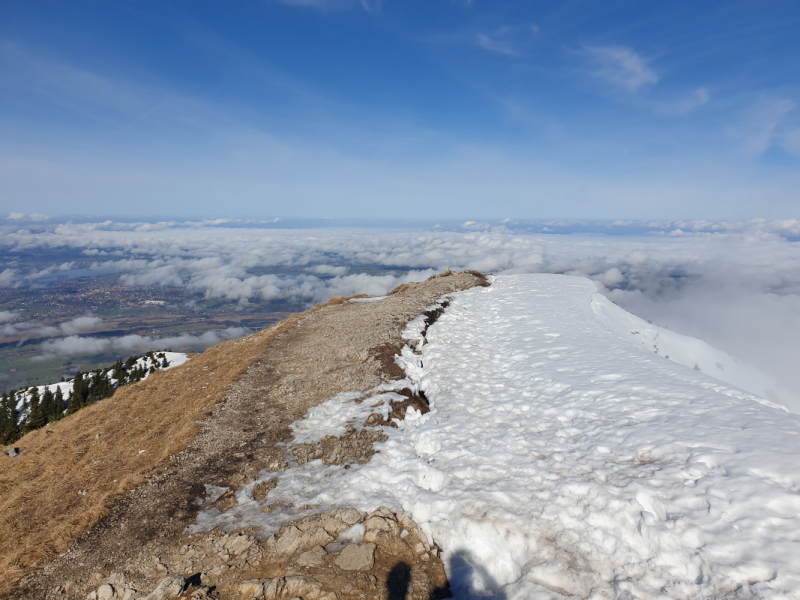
(99, 450)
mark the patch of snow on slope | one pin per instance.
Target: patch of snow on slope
(174, 359)
(334, 415)
(559, 460)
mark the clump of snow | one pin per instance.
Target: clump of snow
(353, 534)
(560, 459)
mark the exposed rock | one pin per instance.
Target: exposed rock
(262, 488)
(105, 592)
(12, 452)
(225, 502)
(294, 540)
(297, 587)
(169, 588)
(313, 558)
(239, 544)
(249, 589)
(357, 557)
(355, 446)
(128, 594)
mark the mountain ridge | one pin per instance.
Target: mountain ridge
(200, 431)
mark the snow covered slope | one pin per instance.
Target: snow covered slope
(561, 460)
(569, 461)
(694, 353)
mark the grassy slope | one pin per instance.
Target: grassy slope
(99, 450)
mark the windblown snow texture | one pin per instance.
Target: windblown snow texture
(568, 460)
(560, 459)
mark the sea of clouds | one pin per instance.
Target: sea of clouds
(734, 285)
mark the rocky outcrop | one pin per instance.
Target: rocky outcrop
(334, 555)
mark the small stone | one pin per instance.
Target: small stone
(105, 592)
(381, 524)
(250, 589)
(357, 557)
(218, 571)
(262, 488)
(169, 588)
(239, 544)
(313, 558)
(389, 543)
(293, 540)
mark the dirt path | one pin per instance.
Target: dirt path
(343, 346)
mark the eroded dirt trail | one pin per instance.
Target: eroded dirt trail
(345, 346)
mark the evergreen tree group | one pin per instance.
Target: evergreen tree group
(9, 430)
(87, 388)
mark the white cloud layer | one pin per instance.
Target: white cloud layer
(735, 285)
(74, 344)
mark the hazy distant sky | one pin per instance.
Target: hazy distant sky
(399, 108)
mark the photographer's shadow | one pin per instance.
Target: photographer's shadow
(463, 572)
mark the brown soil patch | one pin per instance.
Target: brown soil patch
(216, 420)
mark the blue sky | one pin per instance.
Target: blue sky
(381, 109)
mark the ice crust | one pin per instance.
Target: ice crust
(561, 460)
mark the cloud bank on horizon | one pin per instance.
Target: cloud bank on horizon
(735, 285)
(365, 108)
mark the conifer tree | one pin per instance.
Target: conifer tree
(80, 393)
(100, 386)
(58, 405)
(4, 416)
(119, 373)
(12, 432)
(36, 418)
(47, 404)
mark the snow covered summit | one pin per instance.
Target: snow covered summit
(561, 460)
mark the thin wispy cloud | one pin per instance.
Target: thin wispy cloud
(621, 66)
(497, 41)
(757, 129)
(685, 105)
(508, 40)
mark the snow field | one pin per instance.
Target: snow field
(696, 354)
(562, 458)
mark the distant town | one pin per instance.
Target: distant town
(154, 311)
